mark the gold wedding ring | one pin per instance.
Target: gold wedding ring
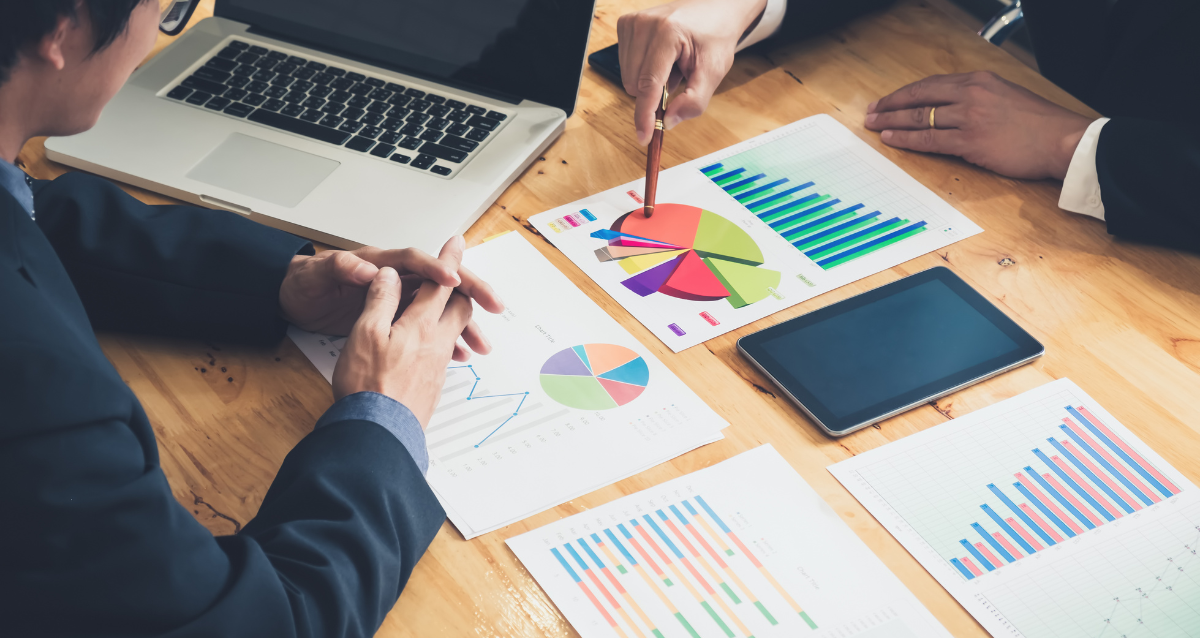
(931, 120)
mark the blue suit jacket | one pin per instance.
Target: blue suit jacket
(92, 543)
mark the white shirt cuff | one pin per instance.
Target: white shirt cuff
(767, 25)
(1081, 188)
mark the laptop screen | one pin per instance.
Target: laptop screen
(531, 49)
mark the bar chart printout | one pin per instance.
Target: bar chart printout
(1045, 508)
(743, 548)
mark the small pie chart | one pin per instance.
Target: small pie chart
(595, 376)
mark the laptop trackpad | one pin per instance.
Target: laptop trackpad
(263, 170)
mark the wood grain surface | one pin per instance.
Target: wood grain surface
(1122, 320)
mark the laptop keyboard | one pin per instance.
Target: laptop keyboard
(402, 124)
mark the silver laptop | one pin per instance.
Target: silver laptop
(392, 123)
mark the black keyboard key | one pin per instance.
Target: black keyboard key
(476, 110)
(496, 115)
(383, 150)
(323, 78)
(411, 143)
(235, 93)
(432, 136)
(455, 104)
(342, 84)
(379, 107)
(417, 118)
(416, 93)
(370, 131)
(439, 110)
(440, 170)
(283, 80)
(277, 55)
(357, 77)
(246, 70)
(298, 61)
(477, 134)
(275, 92)
(179, 92)
(254, 99)
(358, 102)
(362, 89)
(301, 85)
(295, 97)
(320, 91)
(353, 114)
(350, 126)
(248, 58)
(381, 95)
(437, 124)
(420, 105)
(266, 64)
(257, 87)
(218, 103)
(263, 76)
(304, 73)
(333, 70)
(400, 159)
(360, 144)
(393, 87)
(316, 66)
(237, 109)
(444, 152)
(339, 96)
(293, 110)
(199, 97)
(372, 119)
(412, 129)
(458, 129)
(221, 64)
(376, 82)
(484, 123)
(332, 108)
(200, 84)
(423, 161)
(458, 116)
(459, 144)
(400, 99)
(436, 99)
(239, 45)
(273, 104)
(312, 115)
(313, 102)
(331, 121)
(391, 138)
(286, 68)
(237, 82)
(392, 124)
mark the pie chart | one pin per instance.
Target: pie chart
(688, 253)
(595, 376)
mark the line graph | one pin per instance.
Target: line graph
(471, 397)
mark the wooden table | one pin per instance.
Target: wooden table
(1122, 320)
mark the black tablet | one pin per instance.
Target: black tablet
(885, 351)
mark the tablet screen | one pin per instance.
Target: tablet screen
(874, 353)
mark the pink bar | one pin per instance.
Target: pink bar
(971, 566)
(571, 222)
(1049, 503)
(1071, 497)
(1137, 457)
(1007, 545)
(1087, 487)
(1012, 522)
(987, 553)
(1103, 477)
(1029, 511)
(1130, 476)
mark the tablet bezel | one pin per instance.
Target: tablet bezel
(1028, 349)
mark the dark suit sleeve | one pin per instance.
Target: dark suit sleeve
(173, 270)
(94, 543)
(1147, 173)
(806, 18)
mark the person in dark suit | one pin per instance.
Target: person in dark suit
(1130, 60)
(93, 542)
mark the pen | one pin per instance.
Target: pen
(652, 155)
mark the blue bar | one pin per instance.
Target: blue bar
(713, 514)
(565, 564)
(990, 541)
(1116, 448)
(592, 555)
(979, 557)
(1107, 466)
(587, 214)
(868, 244)
(1045, 510)
(741, 197)
(782, 222)
(1037, 529)
(1012, 533)
(743, 182)
(624, 552)
(1091, 475)
(576, 556)
(767, 200)
(654, 526)
(1073, 485)
(679, 515)
(842, 240)
(624, 531)
(722, 176)
(709, 168)
(1062, 500)
(962, 568)
(788, 206)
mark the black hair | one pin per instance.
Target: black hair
(24, 23)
